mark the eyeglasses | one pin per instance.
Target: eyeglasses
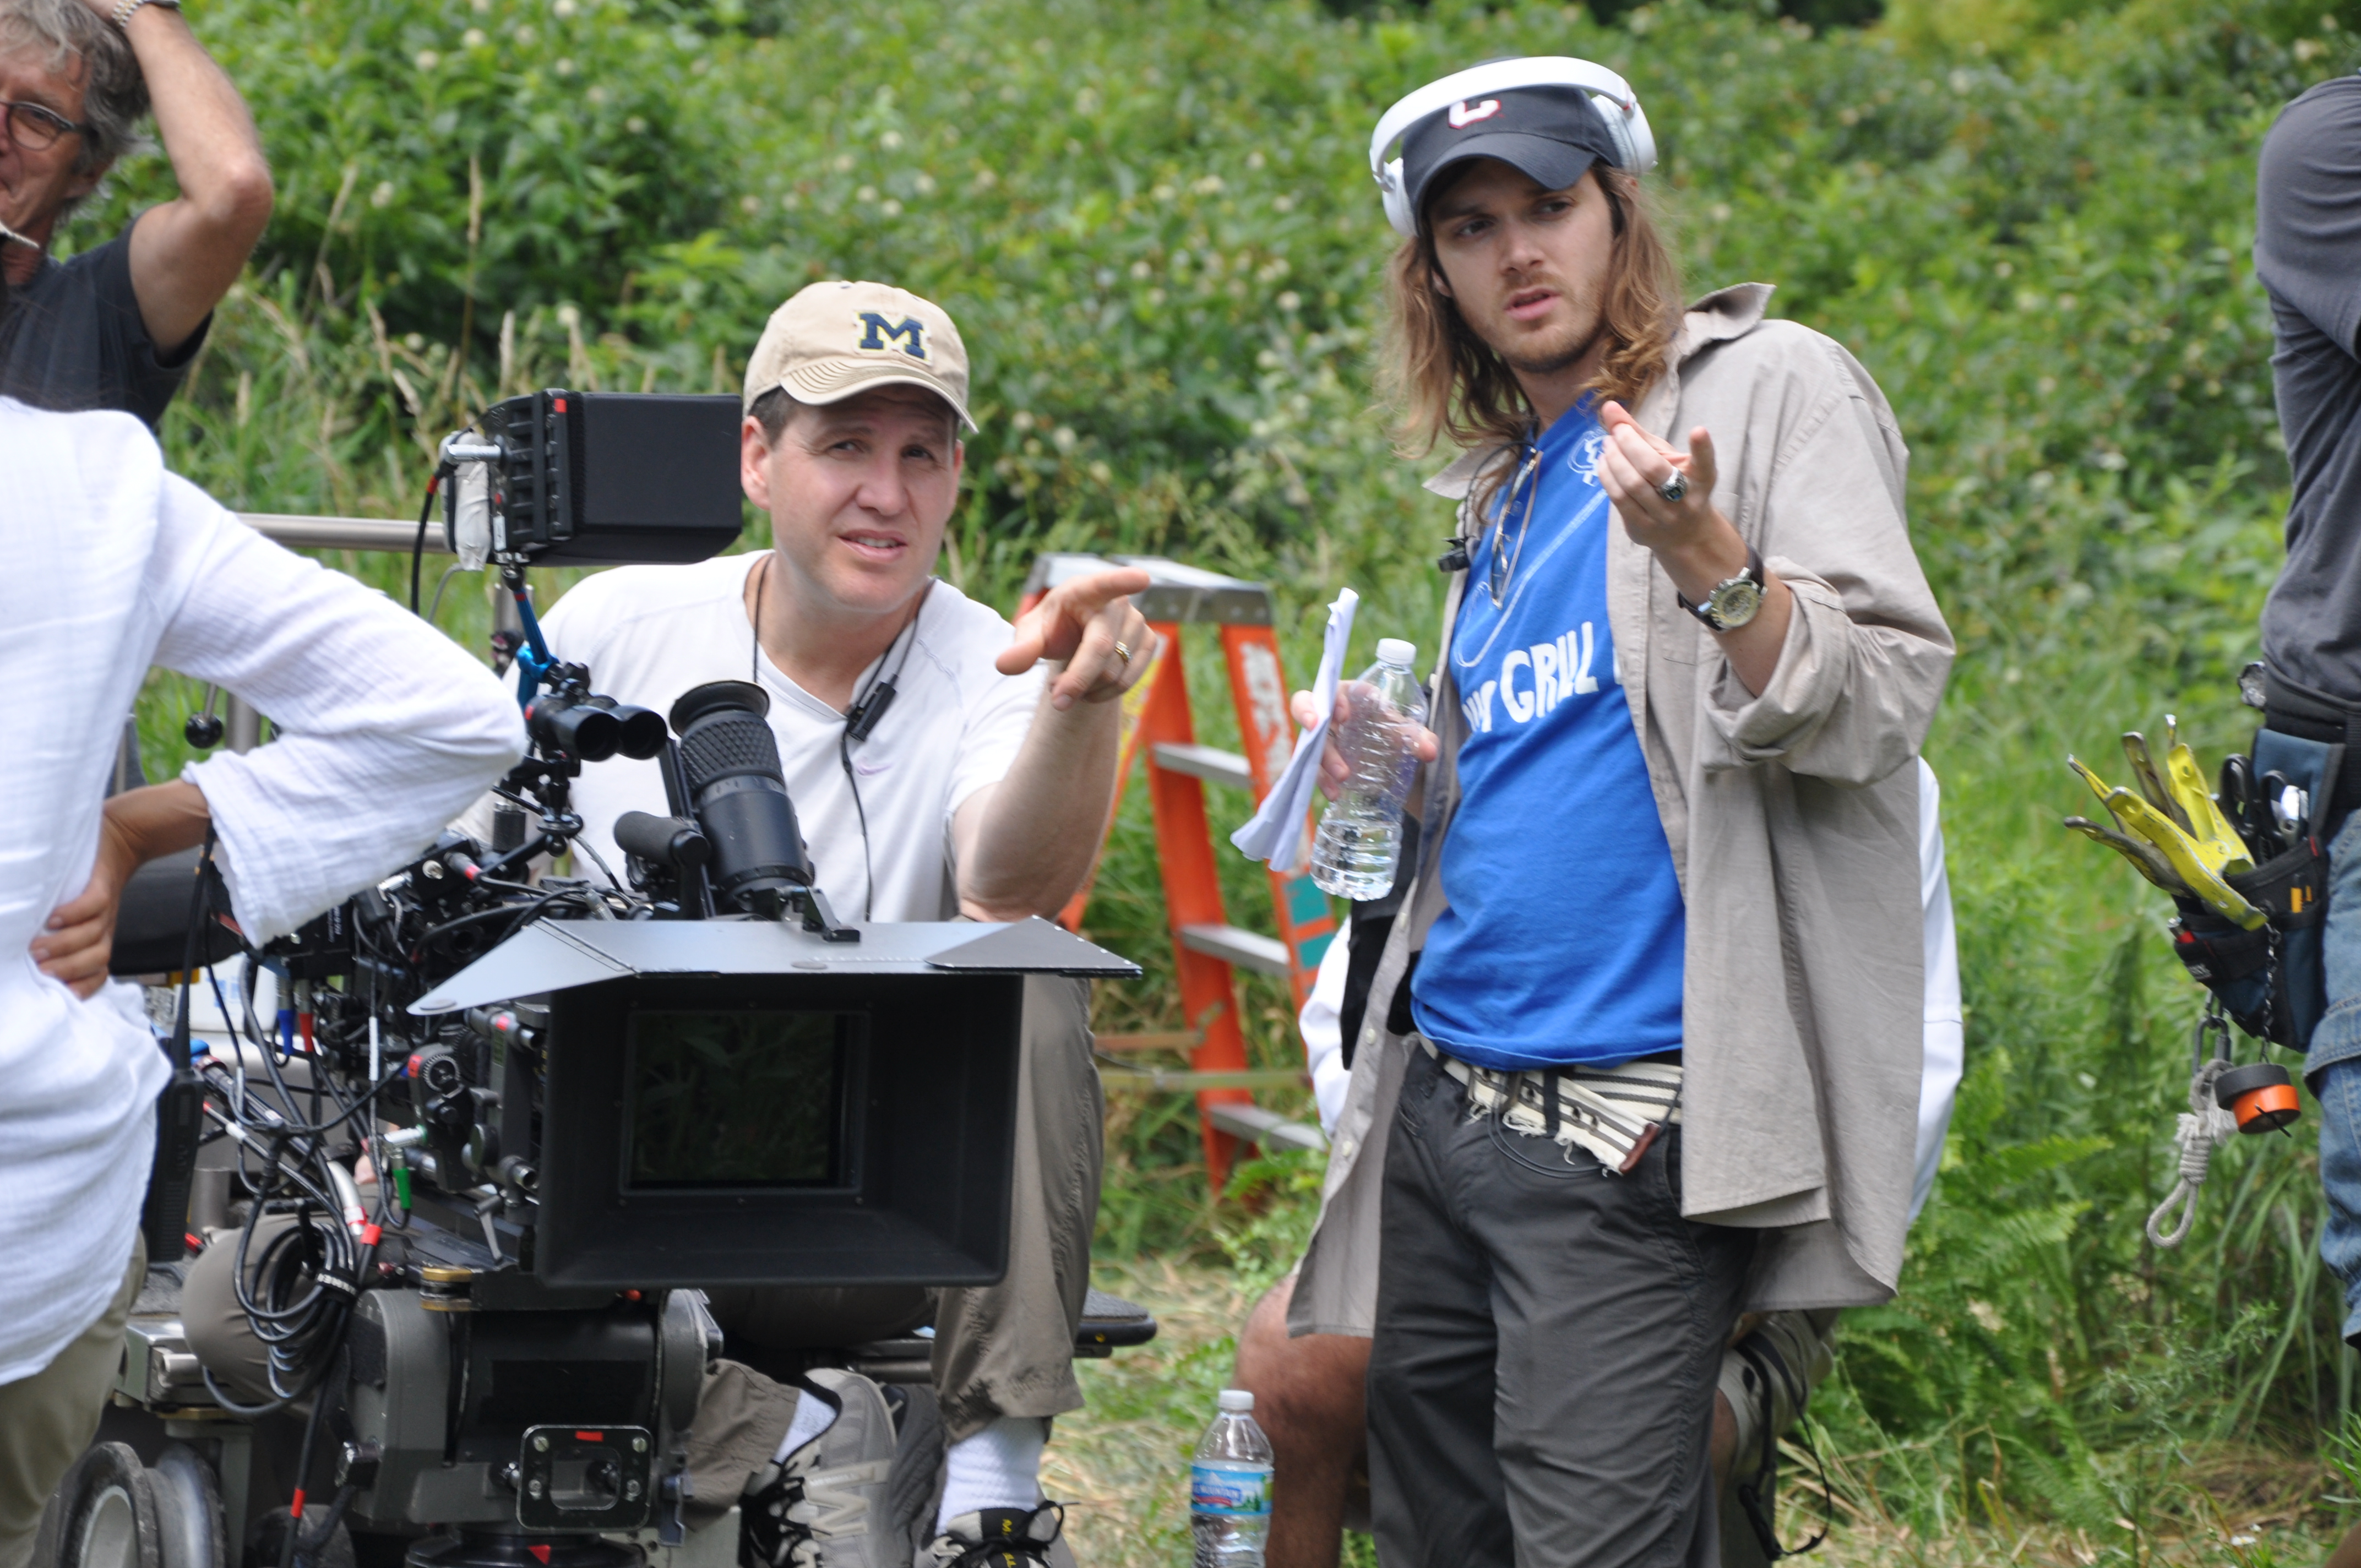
(1504, 556)
(36, 129)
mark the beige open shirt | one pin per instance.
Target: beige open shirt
(1793, 818)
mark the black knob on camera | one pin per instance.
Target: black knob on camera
(435, 1077)
(663, 841)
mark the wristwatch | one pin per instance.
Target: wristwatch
(1734, 600)
(128, 8)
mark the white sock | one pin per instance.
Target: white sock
(999, 1467)
(814, 1416)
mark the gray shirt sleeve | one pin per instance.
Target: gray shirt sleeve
(2308, 256)
(2308, 211)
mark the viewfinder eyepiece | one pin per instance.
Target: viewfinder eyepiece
(738, 793)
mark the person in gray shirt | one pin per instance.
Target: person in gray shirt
(2308, 256)
(116, 325)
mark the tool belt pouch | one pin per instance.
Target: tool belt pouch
(2311, 756)
(2267, 978)
(2229, 960)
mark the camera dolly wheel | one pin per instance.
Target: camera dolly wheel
(115, 1512)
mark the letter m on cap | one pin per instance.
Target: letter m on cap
(882, 335)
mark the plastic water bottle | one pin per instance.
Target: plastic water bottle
(1229, 1487)
(1360, 843)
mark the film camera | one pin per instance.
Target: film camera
(584, 1101)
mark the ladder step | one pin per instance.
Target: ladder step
(1208, 762)
(1245, 949)
(1267, 1128)
(1155, 1040)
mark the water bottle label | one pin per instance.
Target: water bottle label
(1214, 1489)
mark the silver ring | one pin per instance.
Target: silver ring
(1122, 653)
(1675, 487)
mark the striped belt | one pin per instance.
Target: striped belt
(1614, 1112)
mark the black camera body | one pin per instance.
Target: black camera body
(681, 1104)
(586, 1105)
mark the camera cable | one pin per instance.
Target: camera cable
(434, 606)
(418, 546)
(300, 1328)
(869, 706)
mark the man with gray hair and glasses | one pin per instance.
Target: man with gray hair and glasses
(116, 325)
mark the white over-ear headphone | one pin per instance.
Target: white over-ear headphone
(1627, 126)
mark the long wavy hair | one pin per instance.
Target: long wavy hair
(1444, 382)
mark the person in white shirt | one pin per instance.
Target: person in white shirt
(387, 731)
(1309, 1389)
(934, 775)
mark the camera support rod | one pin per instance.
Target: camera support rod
(340, 532)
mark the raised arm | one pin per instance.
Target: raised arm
(1847, 690)
(186, 253)
(1025, 844)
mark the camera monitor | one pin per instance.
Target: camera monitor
(741, 1102)
(602, 479)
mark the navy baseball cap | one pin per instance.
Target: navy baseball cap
(1553, 134)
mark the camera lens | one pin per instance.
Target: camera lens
(640, 732)
(578, 729)
(738, 794)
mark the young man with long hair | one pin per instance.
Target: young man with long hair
(1642, 1051)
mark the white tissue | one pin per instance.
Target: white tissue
(1276, 833)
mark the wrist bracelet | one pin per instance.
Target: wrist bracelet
(123, 12)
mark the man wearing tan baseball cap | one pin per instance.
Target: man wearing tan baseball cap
(835, 339)
(983, 792)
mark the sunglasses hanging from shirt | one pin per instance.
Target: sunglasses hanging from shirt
(1502, 567)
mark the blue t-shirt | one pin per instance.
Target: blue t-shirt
(1563, 942)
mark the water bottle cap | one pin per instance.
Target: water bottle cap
(1237, 1400)
(1395, 651)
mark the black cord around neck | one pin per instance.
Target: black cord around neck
(869, 706)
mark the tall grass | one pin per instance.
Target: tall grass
(1153, 222)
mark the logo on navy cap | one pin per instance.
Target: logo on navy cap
(1462, 116)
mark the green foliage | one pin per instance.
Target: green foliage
(520, 151)
(1153, 222)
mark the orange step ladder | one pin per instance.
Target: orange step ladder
(1206, 949)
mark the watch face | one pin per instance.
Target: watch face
(1733, 604)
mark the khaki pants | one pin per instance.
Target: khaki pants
(999, 1350)
(1008, 1349)
(47, 1420)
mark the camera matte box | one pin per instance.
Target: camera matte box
(899, 1167)
(919, 1126)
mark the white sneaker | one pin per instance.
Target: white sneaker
(996, 1538)
(825, 1508)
